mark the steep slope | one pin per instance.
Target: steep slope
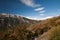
(44, 25)
(52, 34)
(13, 27)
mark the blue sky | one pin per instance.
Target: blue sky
(33, 9)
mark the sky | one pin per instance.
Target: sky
(33, 9)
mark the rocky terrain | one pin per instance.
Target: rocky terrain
(13, 27)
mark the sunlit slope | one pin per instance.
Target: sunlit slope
(44, 25)
(52, 34)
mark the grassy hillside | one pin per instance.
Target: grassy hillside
(45, 25)
(52, 34)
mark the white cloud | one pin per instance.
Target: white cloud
(35, 18)
(39, 9)
(41, 14)
(42, 11)
(46, 17)
(32, 18)
(4, 14)
(30, 3)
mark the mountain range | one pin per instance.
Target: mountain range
(13, 27)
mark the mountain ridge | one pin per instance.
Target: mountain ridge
(19, 28)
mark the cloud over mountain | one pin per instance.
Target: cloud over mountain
(37, 7)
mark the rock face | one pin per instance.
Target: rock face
(13, 27)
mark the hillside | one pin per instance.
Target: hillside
(45, 25)
(52, 34)
(14, 27)
(47, 29)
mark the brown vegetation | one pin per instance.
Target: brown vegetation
(20, 28)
